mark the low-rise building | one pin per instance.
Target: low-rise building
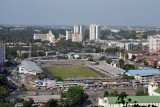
(144, 76)
(29, 67)
(45, 37)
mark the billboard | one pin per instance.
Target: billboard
(40, 83)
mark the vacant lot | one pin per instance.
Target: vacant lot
(72, 72)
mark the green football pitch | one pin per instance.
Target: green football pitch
(73, 72)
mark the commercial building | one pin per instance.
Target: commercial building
(2, 53)
(154, 44)
(77, 37)
(79, 29)
(94, 33)
(138, 100)
(144, 76)
(128, 46)
(45, 37)
(29, 67)
(68, 35)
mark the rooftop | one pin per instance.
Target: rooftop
(31, 66)
(138, 99)
(144, 71)
(157, 90)
(40, 34)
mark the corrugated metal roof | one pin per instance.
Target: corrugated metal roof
(144, 71)
(31, 66)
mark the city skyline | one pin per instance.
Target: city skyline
(70, 12)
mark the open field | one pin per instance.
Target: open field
(73, 72)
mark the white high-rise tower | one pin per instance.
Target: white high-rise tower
(94, 33)
(68, 35)
(78, 29)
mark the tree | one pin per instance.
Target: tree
(90, 59)
(42, 76)
(125, 76)
(126, 56)
(102, 58)
(109, 61)
(51, 103)
(145, 63)
(128, 67)
(59, 79)
(23, 88)
(141, 93)
(76, 95)
(121, 63)
(114, 93)
(28, 103)
(133, 57)
(111, 50)
(139, 61)
(122, 99)
(155, 65)
(106, 94)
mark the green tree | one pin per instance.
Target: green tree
(114, 93)
(122, 99)
(106, 94)
(125, 76)
(51, 103)
(59, 79)
(23, 88)
(133, 57)
(76, 95)
(109, 61)
(121, 63)
(28, 103)
(145, 63)
(141, 93)
(90, 59)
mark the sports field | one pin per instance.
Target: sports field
(72, 72)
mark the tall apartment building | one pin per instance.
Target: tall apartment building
(2, 53)
(76, 37)
(68, 35)
(128, 46)
(79, 29)
(154, 44)
(94, 33)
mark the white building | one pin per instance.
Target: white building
(76, 37)
(29, 67)
(79, 29)
(153, 88)
(94, 33)
(154, 44)
(68, 35)
(45, 37)
(2, 53)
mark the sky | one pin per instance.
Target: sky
(70, 12)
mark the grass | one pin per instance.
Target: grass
(73, 72)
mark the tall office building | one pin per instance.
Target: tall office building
(154, 44)
(68, 35)
(94, 33)
(79, 29)
(128, 46)
(2, 53)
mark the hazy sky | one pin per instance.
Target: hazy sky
(69, 12)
